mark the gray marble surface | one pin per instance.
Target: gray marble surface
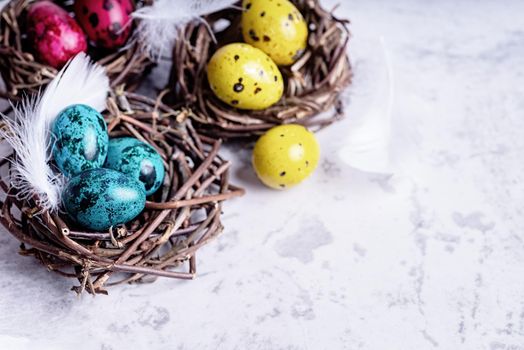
(431, 257)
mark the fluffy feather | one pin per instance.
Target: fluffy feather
(159, 24)
(28, 132)
(79, 82)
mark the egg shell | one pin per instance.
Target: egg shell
(107, 23)
(54, 36)
(80, 140)
(97, 199)
(245, 77)
(137, 160)
(285, 156)
(276, 27)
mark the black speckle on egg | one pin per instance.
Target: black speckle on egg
(115, 30)
(257, 90)
(282, 185)
(281, 135)
(276, 78)
(267, 38)
(102, 124)
(88, 200)
(262, 14)
(283, 173)
(237, 57)
(307, 163)
(253, 35)
(238, 87)
(107, 5)
(148, 175)
(261, 73)
(248, 6)
(234, 102)
(93, 20)
(290, 17)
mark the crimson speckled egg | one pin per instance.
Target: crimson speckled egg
(107, 23)
(55, 37)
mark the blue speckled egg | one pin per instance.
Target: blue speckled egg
(138, 160)
(100, 198)
(81, 140)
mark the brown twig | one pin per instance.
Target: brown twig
(23, 74)
(313, 83)
(180, 218)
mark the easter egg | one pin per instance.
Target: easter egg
(107, 22)
(80, 140)
(285, 156)
(275, 27)
(244, 77)
(137, 160)
(100, 198)
(54, 36)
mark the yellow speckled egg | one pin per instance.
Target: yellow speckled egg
(276, 27)
(245, 77)
(285, 156)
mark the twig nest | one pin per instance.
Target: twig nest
(35, 44)
(314, 76)
(161, 240)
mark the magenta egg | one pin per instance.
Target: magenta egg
(107, 23)
(54, 36)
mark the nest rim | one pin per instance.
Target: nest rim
(179, 219)
(307, 93)
(23, 74)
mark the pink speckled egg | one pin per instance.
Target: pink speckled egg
(55, 37)
(107, 23)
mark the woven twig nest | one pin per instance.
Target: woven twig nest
(23, 73)
(179, 219)
(312, 84)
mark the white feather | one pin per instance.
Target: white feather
(31, 174)
(79, 82)
(28, 133)
(366, 146)
(160, 23)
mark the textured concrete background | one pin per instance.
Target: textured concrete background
(429, 258)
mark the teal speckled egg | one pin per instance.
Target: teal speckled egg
(100, 198)
(138, 160)
(81, 140)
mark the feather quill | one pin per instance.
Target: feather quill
(29, 131)
(160, 23)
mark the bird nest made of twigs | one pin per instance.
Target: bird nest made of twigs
(312, 84)
(23, 73)
(163, 240)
